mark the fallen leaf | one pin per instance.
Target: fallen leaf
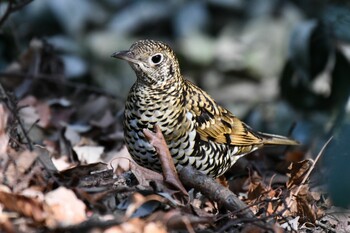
(34, 110)
(291, 225)
(29, 207)
(29, 115)
(171, 177)
(61, 163)
(141, 206)
(256, 187)
(122, 162)
(5, 223)
(302, 204)
(65, 208)
(83, 170)
(71, 135)
(137, 225)
(154, 227)
(305, 206)
(25, 161)
(298, 170)
(44, 112)
(89, 154)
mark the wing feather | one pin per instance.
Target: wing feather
(216, 123)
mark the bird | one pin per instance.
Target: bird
(198, 131)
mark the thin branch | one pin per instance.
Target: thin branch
(12, 107)
(192, 178)
(6, 14)
(309, 171)
(12, 7)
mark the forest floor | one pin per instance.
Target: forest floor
(64, 168)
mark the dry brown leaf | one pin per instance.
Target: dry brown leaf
(297, 172)
(65, 208)
(123, 162)
(306, 208)
(154, 227)
(171, 177)
(5, 223)
(32, 192)
(256, 187)
(302, 204)
(137, 225)
(23, 205)
(44, 112)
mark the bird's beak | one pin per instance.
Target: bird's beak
(125, 55)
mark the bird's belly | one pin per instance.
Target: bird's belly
(138, 146)
(185, 146)
(180, 137)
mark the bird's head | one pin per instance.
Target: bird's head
(154, 62)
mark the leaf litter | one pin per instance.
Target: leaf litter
(93, 184)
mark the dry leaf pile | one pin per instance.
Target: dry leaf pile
(64, 168)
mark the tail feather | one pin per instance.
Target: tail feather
(272, 139)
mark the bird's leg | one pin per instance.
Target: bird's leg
(168, 167)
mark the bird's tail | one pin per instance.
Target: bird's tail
(272, 139)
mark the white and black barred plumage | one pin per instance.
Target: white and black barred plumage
(197, 130)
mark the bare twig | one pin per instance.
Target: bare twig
(307, 175)
(210, 188)
(13, 108)
(12, 7)
(44, 157)
(324, 226)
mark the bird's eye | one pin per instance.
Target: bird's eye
(157, 58)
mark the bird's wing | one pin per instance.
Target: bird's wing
(216, 123)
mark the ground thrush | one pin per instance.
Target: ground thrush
(197, 130)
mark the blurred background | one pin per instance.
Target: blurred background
(280, 65)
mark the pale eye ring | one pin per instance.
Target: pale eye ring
(156, 58)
